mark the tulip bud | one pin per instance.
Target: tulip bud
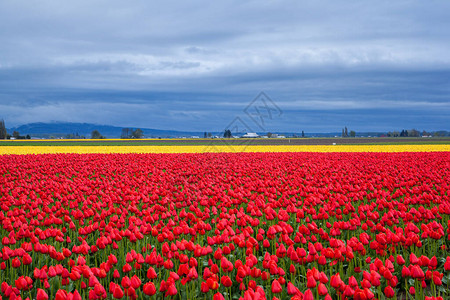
(149, 289)
(15, 263)
(276, 287)
(118, 293)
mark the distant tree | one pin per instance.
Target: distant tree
(126, 133)
(16, 134)
(96, 135)
(209, 135)
(269, 134)
(227, 134)
(138, 134)
(343, 132)
(352, 133)
(426, 133)
(3, 133)
(205, 135)
(442, 133)
(394, 134)
(28, 137)
(405, 133)
(303, 134)
(346, 131)
(413, 133)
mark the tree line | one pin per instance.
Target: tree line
(345, 132)
(127, 133)
(412, 133)
(16, 135)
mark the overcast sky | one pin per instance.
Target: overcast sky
(196, 65)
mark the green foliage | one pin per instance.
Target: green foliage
(138, 134)
(3, 133)
(227, 134)
(96, 135)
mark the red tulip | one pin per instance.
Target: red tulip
(291, 289)
(322, 289)
(41, 295)
(226, 281)
(118, 293)
(126, 268)
(413, 259)
(218, 296)
(126, 282)
(360, 295)
(336, 281)
(416, 272)
(15, 263)
(276, 287)
(172, 291)
(26, 259)
(149, 289)
(61, 295)
(135, 282)
(437, 278)
(74, 275)
(389, 292)
(433, 263)
(21, 283)
(204, 287)
(311, 282)
(212, 284)
(76, 295)
(203, 218)
(406, 272)
(151, 274)
(308, 295)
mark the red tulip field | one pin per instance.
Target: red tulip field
(225, 226)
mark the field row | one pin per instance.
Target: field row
(221, 148)
(240, 141)
(225, 226)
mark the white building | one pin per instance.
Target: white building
(250, 135)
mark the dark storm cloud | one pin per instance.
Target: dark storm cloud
(197, 64)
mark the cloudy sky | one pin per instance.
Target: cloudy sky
(196, 65)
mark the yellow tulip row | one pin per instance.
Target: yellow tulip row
(221, 148)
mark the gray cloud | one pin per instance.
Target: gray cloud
(196, 64)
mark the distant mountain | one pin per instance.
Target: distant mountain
(62, 129)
